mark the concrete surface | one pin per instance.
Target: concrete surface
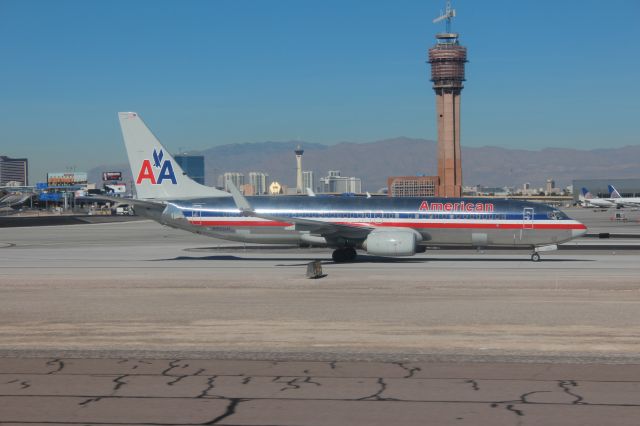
(133, 323)
(182, 391)
(137, 286)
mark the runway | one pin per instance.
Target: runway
(551, 340)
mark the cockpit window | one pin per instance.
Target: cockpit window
(557, 215)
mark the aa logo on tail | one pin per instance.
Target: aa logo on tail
(147, 171)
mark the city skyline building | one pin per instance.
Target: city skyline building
(192, 165)
(236, 178)
(275, 188)
(260, 182)
(247, 189)
(412, 186)
(309, 180)
(336, 183)
(14, 170)
(447, 59)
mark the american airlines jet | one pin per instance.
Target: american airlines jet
(382, 226)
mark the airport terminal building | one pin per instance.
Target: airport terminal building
(600, 187)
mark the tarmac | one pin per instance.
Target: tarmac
(134, 323)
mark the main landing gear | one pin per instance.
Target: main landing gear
(346, 254)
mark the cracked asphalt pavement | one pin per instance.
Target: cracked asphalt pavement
(229, 392)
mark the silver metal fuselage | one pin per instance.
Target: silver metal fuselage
(440, 221)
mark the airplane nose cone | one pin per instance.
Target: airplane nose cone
(579, 232)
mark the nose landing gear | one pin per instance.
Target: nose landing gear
(535, 256)
(346, 254)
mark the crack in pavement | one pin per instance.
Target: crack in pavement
(376, 396)
(137, 362)
(519, 413)
(296, 382)
(231, 409)
(565, 384)
(88, 401)
(54, 362)
(176, 380)
(291, 384)
(524, 396)
(173, 364)
(246, 380)
(119, 383)
(521, 400)
(308, 380)
(474, 384)
(410, 371)
(210, 385)
(23, 384)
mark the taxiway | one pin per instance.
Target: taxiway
(133, 318)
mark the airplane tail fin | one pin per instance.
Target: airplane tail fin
(613, 193)
(585, 194)
(156, 174)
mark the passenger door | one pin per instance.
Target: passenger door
(527, 218)
(196, 214)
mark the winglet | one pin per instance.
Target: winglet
(241, 202)
(310, 192)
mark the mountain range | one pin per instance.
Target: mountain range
(374, 161)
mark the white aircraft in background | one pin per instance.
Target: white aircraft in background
(588, 200)
(621, 201)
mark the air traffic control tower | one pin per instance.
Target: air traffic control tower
(447, 60)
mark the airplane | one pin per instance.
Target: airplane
(588, 200)
(621, 201)
(380, 226)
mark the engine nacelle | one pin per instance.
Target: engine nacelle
(392, 242)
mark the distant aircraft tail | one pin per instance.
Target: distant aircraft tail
(585, 194)
(156, 174)
(613, 193)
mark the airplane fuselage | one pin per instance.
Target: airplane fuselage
(439, 221)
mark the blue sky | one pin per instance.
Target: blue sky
(201, 73)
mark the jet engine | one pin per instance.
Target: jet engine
(392, 242)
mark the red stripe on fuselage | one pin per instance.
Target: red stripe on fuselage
(240, 223)
(416, 225)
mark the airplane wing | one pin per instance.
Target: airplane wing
(130, 201)
(315, 227)
(143, 208)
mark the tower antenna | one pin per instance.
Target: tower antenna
(448, 15)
